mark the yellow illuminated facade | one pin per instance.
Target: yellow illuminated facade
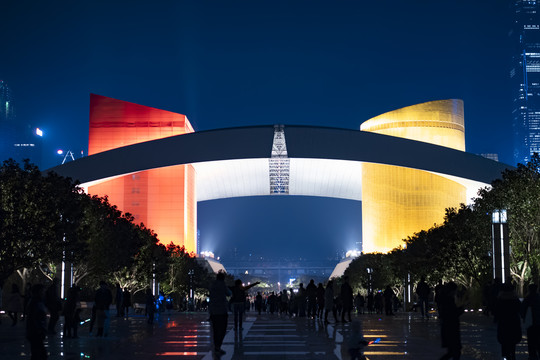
(398, 201)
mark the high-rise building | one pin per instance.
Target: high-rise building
(525, 77)
(7, 122)
(18, 140)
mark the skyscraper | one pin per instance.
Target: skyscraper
(7, 122)
(525, 77)
(18, 140)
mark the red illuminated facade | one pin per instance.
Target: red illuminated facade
(164, 198)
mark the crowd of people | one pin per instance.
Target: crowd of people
(41, 308)
(444, 300)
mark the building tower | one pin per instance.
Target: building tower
(525, 78)
(7, 122)
(398, 202)
(163, 199)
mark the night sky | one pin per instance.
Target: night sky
(241, 63)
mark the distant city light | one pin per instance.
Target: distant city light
(207, 254)
(353, 253)
(60, 151)
(39, 132)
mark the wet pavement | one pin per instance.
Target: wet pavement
(188, 336)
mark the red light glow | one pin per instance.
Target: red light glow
(162, 199)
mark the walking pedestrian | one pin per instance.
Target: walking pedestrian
(301, 299)
(311, 293)
(423, 290)
(150, 306)
(370, 302)
(36, 323)
(359, 302)
(320, 301)
(449, 315)
(70, 314)
(258, 302)
(119, 300)
(126, 302)
(329, 302)
(346, 299)
(532, 302)
(507, 317)
(238, 301)
(388, 303)
(218, 308)
(14, 304)
(103, 302)
(54, 304)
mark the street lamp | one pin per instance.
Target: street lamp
(500, 245)
(370, 272)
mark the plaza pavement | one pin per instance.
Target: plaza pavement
(188, 336)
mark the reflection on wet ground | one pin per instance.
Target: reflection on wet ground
(188, 336)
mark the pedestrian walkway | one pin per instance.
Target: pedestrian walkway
(188, 336)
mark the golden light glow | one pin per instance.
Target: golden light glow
(397, 201)
(163, 199)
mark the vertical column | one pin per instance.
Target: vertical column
(500, 245)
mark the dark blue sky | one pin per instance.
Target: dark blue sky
(239, 63)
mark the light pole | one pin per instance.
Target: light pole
(191, 272)
(370, 272)
(500, 245)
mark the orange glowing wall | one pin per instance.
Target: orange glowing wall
(163, 199)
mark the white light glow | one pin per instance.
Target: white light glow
(39, 132)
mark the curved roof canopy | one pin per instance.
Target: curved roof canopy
(322, 161)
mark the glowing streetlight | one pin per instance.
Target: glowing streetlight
(501, 247)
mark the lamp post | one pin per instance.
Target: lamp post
(370, 272)
(191, 272)
(500, 245)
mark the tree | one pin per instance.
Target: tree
(111, 240)
(185, 271)
(37, 216)
(151, 262)
(518, 191)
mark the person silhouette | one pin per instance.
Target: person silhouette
(70, 314)
(423, 290)
(532, 301)
(54, 304)
(218, 308)
(329, 302)
(238, 301)
(449, 316)
(311, 293)
(103, 300)
(36, 323)
(14, 304)
(119, 300)
(347, 299)
(507, 317)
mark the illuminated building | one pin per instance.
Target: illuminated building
(7, 122)
(399, 201)
(163, 198)
(404, 181)
(17, 140)
(525, 77)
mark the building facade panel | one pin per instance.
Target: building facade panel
(399, 201)
(162, 198)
